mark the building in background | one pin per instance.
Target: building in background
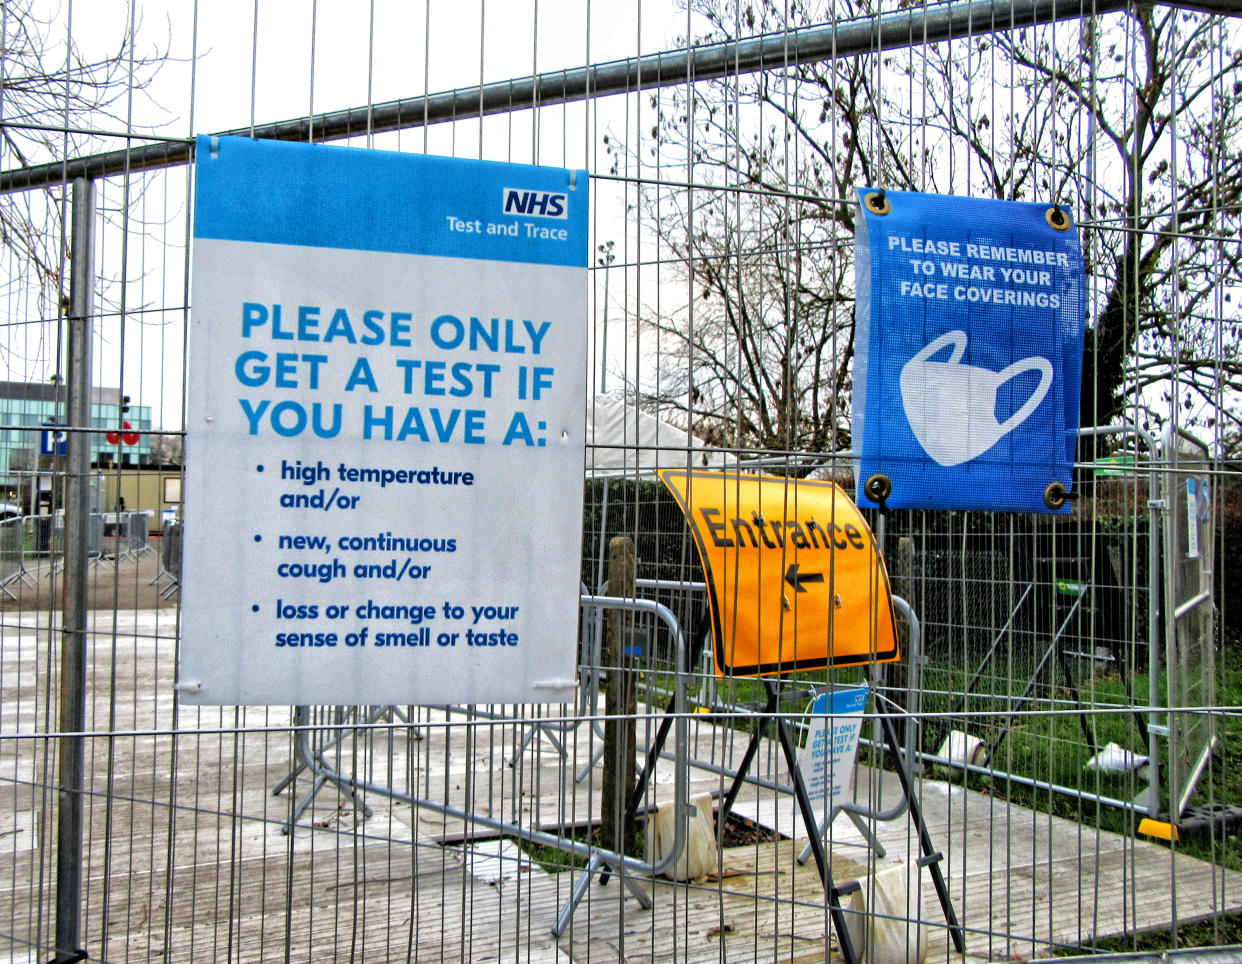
(27, 407)
(153, 489)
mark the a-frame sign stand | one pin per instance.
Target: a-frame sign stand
(930, 858)
(797, 582)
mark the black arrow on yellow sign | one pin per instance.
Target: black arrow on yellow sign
(796, 578)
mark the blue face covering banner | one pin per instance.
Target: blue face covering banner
(968, 352)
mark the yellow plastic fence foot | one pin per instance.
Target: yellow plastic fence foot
(1157, 828)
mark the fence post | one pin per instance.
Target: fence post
(621, 702)
(901, 576)
(69, 835)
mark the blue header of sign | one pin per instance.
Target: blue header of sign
(968, 351)
(322, 196)
(844, 701)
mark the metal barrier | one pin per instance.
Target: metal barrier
(321, 732)
(315, 743)
(95, 545)
(1190, 613)
(721, 144)
(313, 755)
(1055, 625)
(136, 528)
(170, 560)
(12, 554)
(860, 813)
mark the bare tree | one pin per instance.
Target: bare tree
(761, 357)
(1132, 120)
(765, 361)
(166, 449)
(1145, 140)
(57, 102)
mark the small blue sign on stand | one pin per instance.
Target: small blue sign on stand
(968, 366)
(827, 758)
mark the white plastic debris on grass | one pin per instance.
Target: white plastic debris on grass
(1114, 759)
(960, 749)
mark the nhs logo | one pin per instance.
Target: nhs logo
(535, 204)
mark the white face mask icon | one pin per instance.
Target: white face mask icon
(952, 407)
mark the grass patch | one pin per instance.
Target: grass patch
(1216, 932)
(738, 832)
(555, 860)
(1051, 743)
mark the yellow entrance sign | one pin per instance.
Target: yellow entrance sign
(794, 577)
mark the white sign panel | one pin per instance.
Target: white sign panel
(384, 429)
(826, 760)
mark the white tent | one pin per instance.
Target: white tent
(621, 439)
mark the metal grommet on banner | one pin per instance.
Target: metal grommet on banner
(877, 203)
(878, 488)
(1055, 496)
(1057, 218)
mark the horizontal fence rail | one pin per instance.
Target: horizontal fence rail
(846, 39)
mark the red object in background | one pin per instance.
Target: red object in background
(129, 438)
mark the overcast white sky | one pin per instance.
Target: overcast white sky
(254, 57)
(231, 62)
(234, 62)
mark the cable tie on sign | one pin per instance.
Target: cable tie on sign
(878, 488)
(554, 684)
(215, 145)
(573, 179)
(1057, 218)
(1056, 495)
(877, 203)
(187, 687)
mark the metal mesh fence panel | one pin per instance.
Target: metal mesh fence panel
(1048, 768)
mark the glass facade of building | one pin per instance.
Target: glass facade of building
(25, 408)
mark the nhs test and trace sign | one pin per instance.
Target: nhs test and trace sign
(384, 429)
